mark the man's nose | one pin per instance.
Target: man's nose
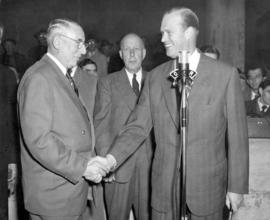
(132, 52)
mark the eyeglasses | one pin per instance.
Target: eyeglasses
(80, 43)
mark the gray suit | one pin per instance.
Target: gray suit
(216, 108)
(56, 142)
(114, 103)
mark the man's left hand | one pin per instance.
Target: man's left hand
(233, 201)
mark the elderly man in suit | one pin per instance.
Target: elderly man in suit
(117, 96)
(57, 134)
(260, 107)
(215, 173)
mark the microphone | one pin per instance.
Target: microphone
(183, 64)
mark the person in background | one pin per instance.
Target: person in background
(8, 135)
(36, 52)
(14, 59)
(117, 96)
(210, 51)
(255, 75)
(99, 58)
(259, 107)
(216, 173)
(88, 66)
(57, 136)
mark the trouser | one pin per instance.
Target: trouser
(122, 197)
(83, 216)
(169, 216)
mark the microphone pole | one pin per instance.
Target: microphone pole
(183, 68)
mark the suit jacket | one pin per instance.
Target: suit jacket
(87, 84)
(115, 101)
(253, 109)
(56, 142)
(216, 108)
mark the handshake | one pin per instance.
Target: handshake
(99, 167)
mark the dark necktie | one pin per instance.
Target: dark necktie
(264, 107)
(71, 81)
(135, 85)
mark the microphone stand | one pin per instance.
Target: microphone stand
(182, 82)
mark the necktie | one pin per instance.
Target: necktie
(135, 85)
(71, 81)
(264, 108)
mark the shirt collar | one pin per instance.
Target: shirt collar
(58, 63)
(138, 77)
(194, 59)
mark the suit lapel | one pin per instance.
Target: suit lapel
(64, 83)
(123, 86)
(170, 96)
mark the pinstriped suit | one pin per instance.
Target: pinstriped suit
(114, 103)
(216, 107)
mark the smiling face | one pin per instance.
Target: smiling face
(173, 34)
(132, 52)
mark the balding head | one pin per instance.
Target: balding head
(132, 52)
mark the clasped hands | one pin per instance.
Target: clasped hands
(99, 167)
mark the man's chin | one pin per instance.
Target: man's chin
(171, 55)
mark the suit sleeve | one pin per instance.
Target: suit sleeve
(238, 148)
(137, 129)
(102, 115)
(36, 106)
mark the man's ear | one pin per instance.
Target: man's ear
(144, 53)
(120, 54)
(190, 33)
(56, 42)
(260, 91)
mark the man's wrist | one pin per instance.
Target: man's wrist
(112, 161)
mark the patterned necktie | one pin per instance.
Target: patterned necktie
(135, 85)
(71, 81)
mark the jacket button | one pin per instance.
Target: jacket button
(83, 132)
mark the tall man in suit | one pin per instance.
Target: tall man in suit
(117, 96)
(56, 133)
(216, 106)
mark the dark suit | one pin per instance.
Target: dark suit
(253, 109)
(114, 103)
(8, 132)
(56, 142)
(215, 106)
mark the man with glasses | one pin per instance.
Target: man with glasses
(57, 137)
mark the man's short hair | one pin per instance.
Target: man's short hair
(189, 17)
(58, 26)
(253, 66)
